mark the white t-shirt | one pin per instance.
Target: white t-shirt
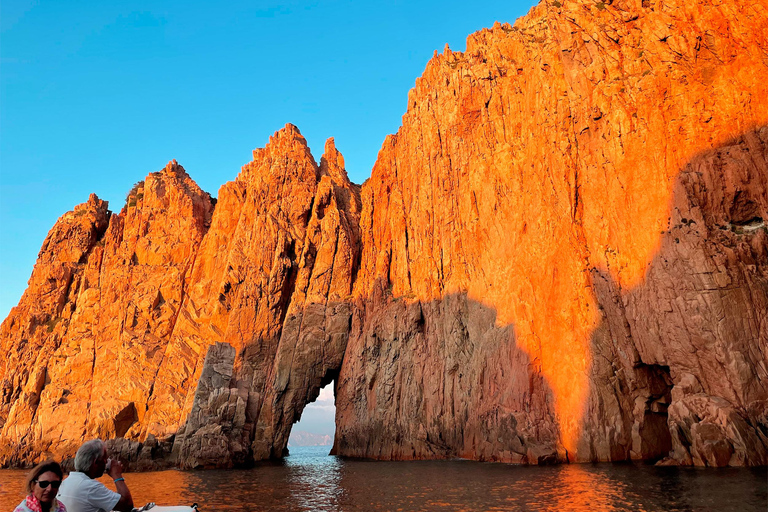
(81, 493)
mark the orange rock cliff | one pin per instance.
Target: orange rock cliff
(562, 255)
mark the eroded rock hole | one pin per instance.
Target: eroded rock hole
(317, 425)
(125, 419)
(651, 439)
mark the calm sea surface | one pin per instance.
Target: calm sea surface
(309, 479)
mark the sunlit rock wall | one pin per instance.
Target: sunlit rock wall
(564, 245)
(562, 255)
(86, 341)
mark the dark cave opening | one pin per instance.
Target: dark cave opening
(651, 439)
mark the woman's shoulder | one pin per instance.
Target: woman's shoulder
(22, 507)
(28, 505)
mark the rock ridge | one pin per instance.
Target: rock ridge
(559, 257)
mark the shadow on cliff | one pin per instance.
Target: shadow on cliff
(677, 364)
(676, 369)
(440, 379)
(435, 380)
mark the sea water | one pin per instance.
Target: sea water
(310, 479)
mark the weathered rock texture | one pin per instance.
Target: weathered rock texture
(88, 336)
(272, 279)
(548, 260)
(562, 255)
(120, 349)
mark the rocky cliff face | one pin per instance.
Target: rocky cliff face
(90, 332)
(272, 281)
(562, 255)
(567, 230)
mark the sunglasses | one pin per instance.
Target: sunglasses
(45, 483)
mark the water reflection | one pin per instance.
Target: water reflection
(314, 480)
(164, 487)
(311, 480)
(579, 487)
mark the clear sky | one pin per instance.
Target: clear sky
(95, 95)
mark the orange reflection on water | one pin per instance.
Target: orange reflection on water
(165, 488)
(577, 488)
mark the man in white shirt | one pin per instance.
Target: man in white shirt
(80, 492)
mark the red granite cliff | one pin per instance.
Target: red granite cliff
(564, 245)
(561, 255)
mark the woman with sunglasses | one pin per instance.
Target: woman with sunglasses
(42, 484)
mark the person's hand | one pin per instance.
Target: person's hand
(116, 469)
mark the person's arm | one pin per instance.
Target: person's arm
(126, 500)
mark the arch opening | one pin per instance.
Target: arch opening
(317, 426)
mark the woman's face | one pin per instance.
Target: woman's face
(51, 481)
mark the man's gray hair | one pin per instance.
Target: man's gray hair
(88, 454)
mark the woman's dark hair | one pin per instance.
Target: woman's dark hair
(43, 467)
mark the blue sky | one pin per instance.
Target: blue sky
(96, 95)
